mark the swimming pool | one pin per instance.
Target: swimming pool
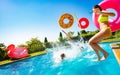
(83, 64)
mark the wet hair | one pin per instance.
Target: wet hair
(62, 56)
(97, 6)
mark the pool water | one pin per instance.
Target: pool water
(83, 64)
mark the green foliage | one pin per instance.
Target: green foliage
(117, 34)
(113, 33)
(83, 32)
(61, 39)
(78, 33)
(22, 45)
(88, 34)
(46, 43)
(70, 33)
(35, 45)
(86, 37)
(3, 53)
(60, 35)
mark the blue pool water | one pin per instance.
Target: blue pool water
(83, 64)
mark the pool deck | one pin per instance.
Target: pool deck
(116, 51)
(5, 62)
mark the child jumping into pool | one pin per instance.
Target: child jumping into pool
(104, 32)
(62, 56)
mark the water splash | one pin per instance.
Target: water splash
(76, 50)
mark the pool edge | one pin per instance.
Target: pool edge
(30, 56)
(116, 52)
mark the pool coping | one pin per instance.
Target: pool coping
(30, 56)
(116, 51)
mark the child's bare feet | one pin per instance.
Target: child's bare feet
(98, 58)
(104, 57)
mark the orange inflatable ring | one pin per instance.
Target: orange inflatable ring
(69, 24)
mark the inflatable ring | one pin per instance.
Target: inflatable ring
(81, 25)
(114, 4)
(66, 16)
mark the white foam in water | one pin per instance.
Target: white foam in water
(70, 53)
(76, 49)
(90, 56)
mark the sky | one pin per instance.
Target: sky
(21, 20)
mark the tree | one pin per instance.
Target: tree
(83, 32)
(61, 37)
(46, 43)
(117, 34)
(35, 45)
(3, 53)
(70, 33)
(113, 33)
(78, 33)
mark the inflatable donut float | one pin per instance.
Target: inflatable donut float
(106, 4)
(66, 16)
(81, 25)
